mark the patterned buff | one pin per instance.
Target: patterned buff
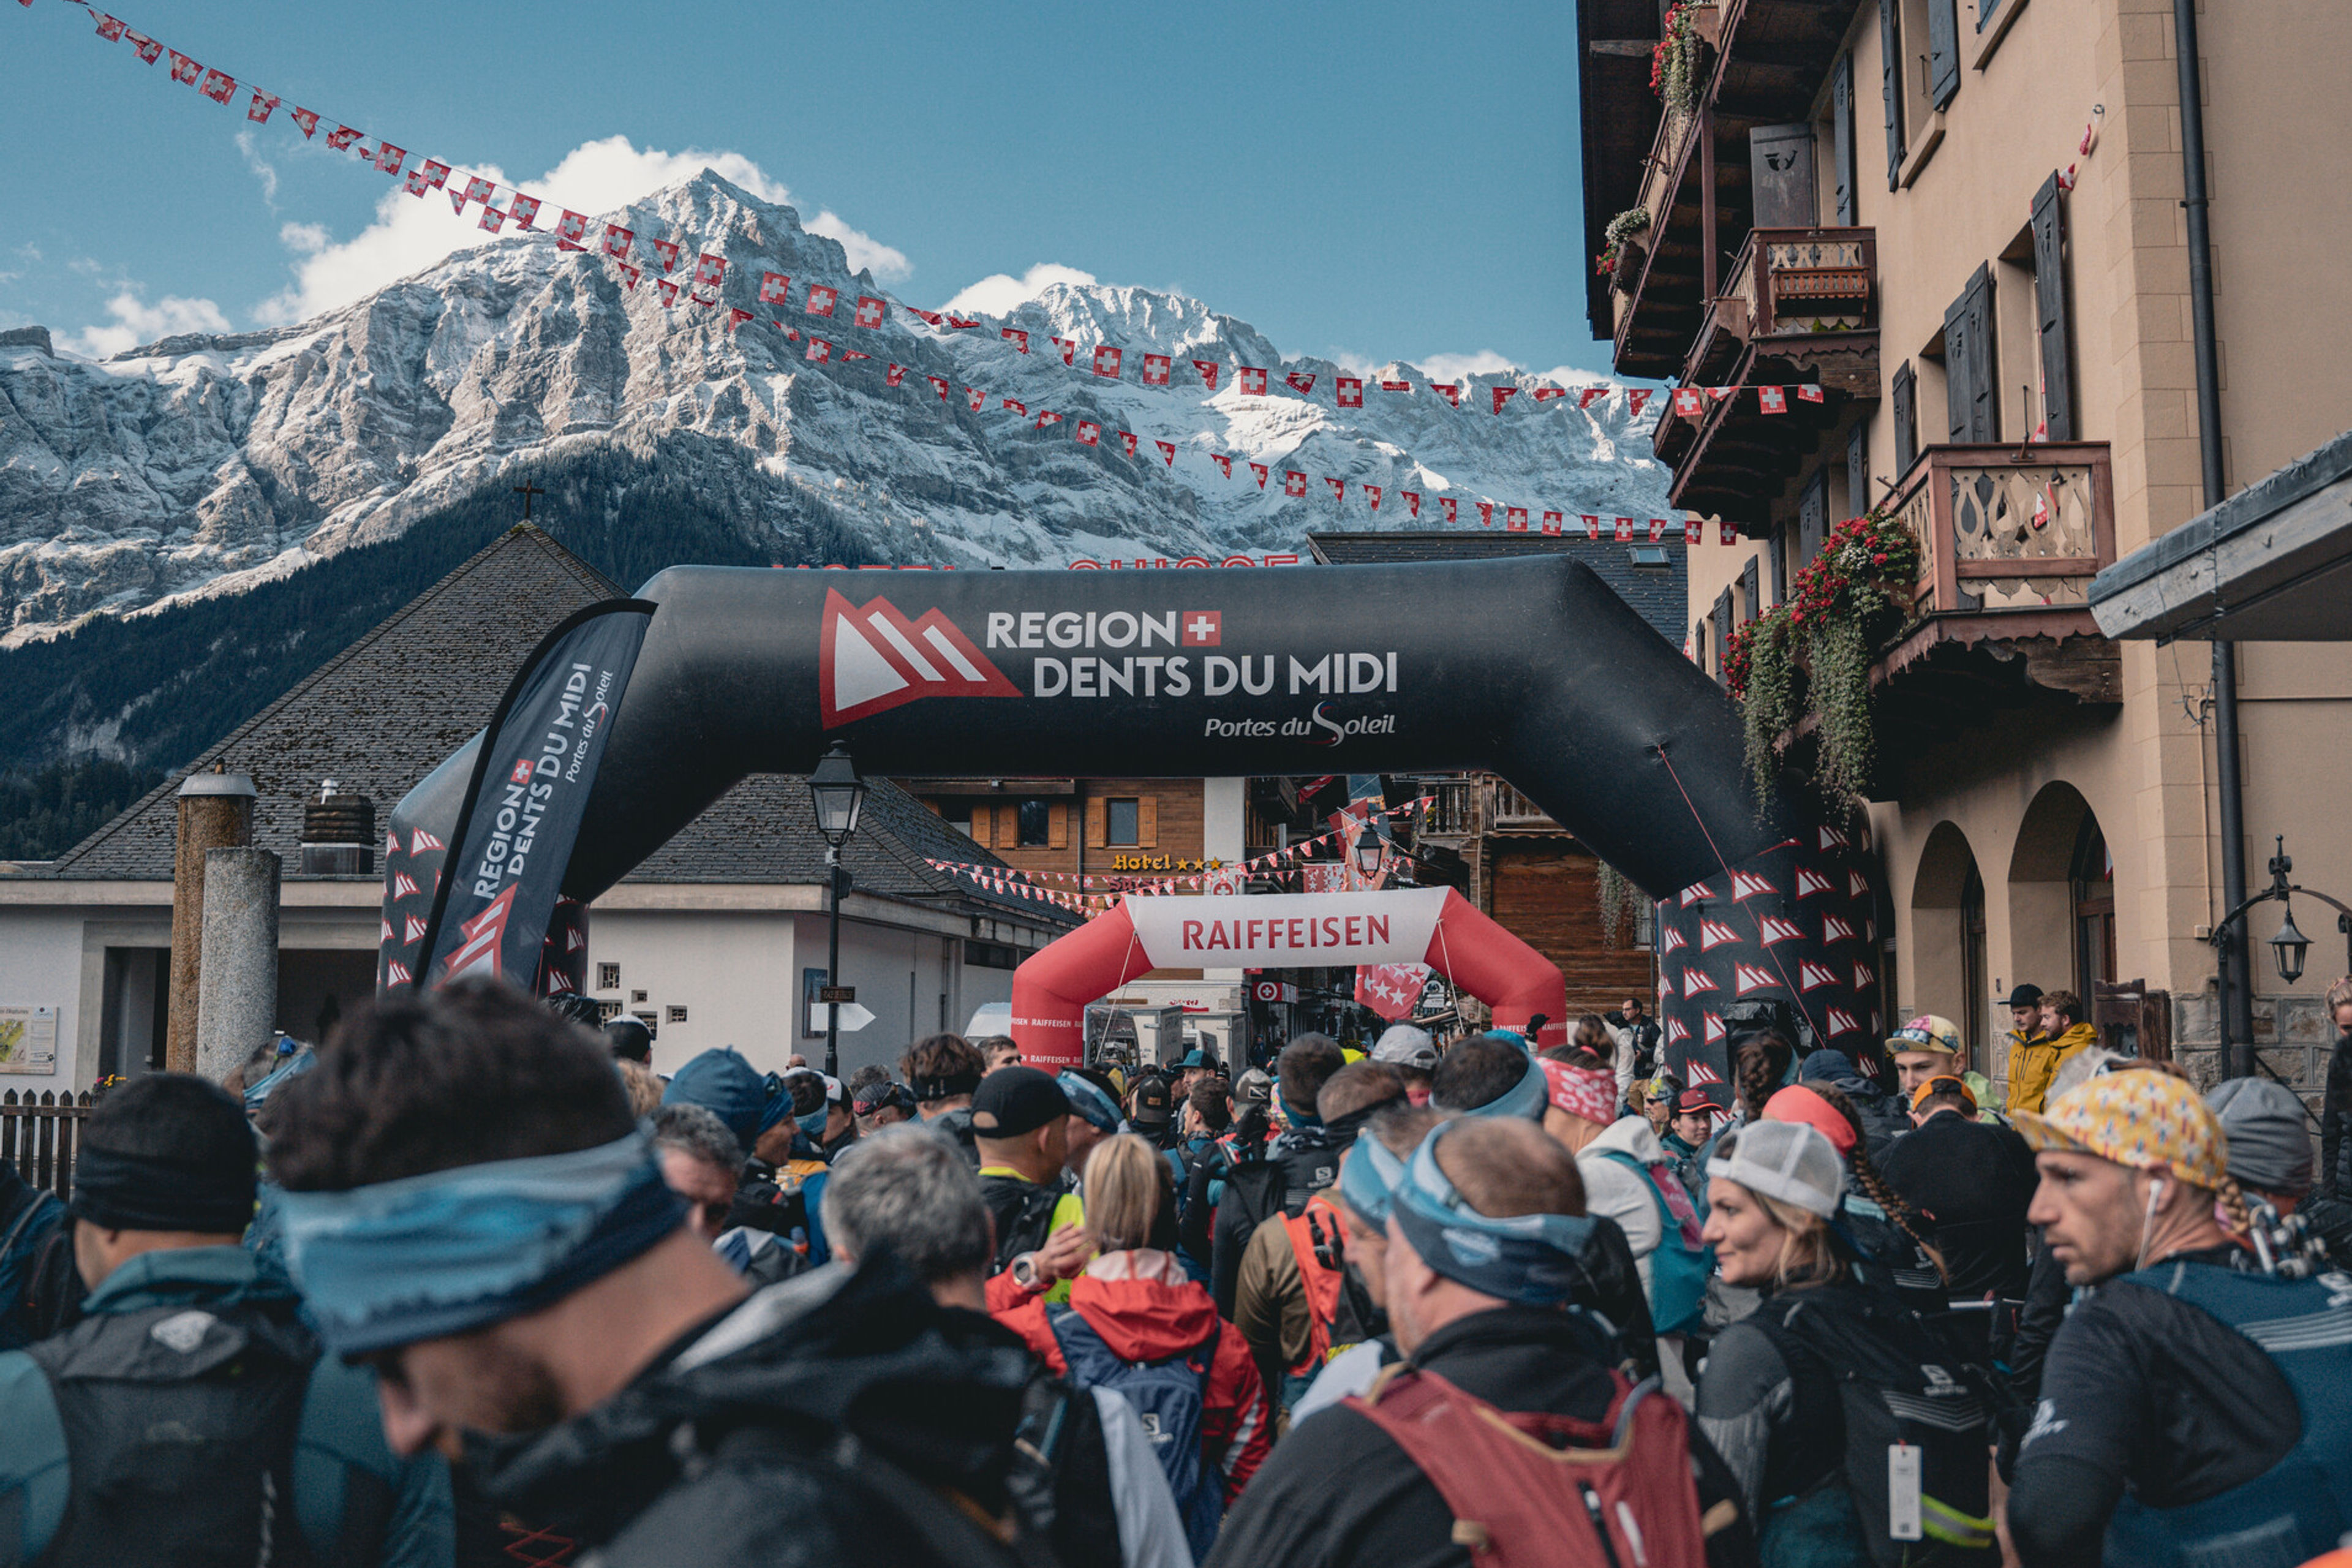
(452, 1250)
(1530, 1257)
(1369, 1178)
(1589, 1092)
(1523, 1099)
(2146, 1120)
(1089, 1103)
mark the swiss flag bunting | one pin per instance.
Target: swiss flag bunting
(871, 312)
(1514, 520)
(1016, 337)
(1771, 400)
(493, 220)
(1338, 490)
(1809, 395)
(258, 109)
(1625, 531)
(1486, 514)
(1584, 399)
(1069, 347)
(1504, 395)
(1551, 522)
(1372, 494)
(1167, 451)
(1127, 442)
(821, 300)
(1090, 433)
(477, 189)
(572, 231)
(342, 137)
(1720, 393)
(1452, 393)
(846, 353)
(148, 49)
(818, 349)
(897, 375)
(668, 289)
(1396, 386)
(1294, 483)
(1047, 416)
(1690, 402)
(960, 324)
(219, 86)
(521, 209)
(617, 241)
(939, 385)
(708, 269)
(1692, 530)
(1155, 370)
(1350, 391)
(308, 119)
(776, 289)
(1657, 529)
(1730, 533)
(1449, 505)
(1208, 369)
(183, 68)
(1302, 385)
(1412, 502)
(629, 275)
(1260, 470)
(109, 27)
(1224, 463)
(1546, 394)
(1635, 398)
(933, 317)
(977, 399)
(1253, 381)
(1015, 404)
(1592, 525)
(667, 251)
(1107, 360)
(737, 316)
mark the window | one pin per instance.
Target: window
(1037, 824)
(608, 978)
(957, 814)
(1975, 988)
(1123, 822)
(1905, 392)
(1648, 555)
(677, 1013)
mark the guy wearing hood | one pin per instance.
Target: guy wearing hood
(471, 1209)
(1883, 1121)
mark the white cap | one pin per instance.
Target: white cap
(1790, 1161)
(1401, 1045)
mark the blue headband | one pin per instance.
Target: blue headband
(1529, 1258)
(1526, 1099)
(288, 1066)
(453, 1250)
(1369, 1178)
(1089, 1102)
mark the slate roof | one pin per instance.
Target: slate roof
(384, 712)
(1658, 593)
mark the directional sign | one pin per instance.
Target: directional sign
(854, 1017)
(837, 992)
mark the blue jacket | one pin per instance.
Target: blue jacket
(340, 1432)
(29, 1215)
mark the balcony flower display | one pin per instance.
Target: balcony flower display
(1676, 65)
(1620, 234)
(1811, 657)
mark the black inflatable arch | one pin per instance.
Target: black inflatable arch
(1531, 667)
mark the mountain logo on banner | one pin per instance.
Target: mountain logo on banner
(1810, 883)
(420, 841)
(1675, 1032)
(1832, 839)
(414, 932)
(1695, 980)
(1842, 1023)
(1714, 1034)
(1713, 934)
(403, 886)
(1775, 928)
(1864, 980)
(1813, 976)
(1836, 930)
(1857, 886)
(1693, 894)
(1750, 885)
(873, 659)
(1674, 940)
(479, 953)
(1747, 977)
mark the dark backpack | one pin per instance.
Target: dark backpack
(1169, 1396)
(1023, 1211)
(1897, 1384)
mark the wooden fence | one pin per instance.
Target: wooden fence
(38, 1135)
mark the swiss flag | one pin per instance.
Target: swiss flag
(1253, 381)
(1090, 433)
(1813, 976)
(219, 86)
(939, 385)
(1690, 402)
(492, 218)
(1015, 404)
(308, 119)
(896, 375)
(521, 209)
(872, 658)
(1713, 934)
(1155, 370)
(668, 289)
(818, 349)
(1167, 452)
(1748, 977)
(572, 231)
(737, 317)
(629, 275)
(1450, 507)
(1412, 502)
(1546, 394)
(1514, 520)
(1695, 980)
(1486, 514)
(1452, 393)
(821, 300)
(1504, 395)
(1775, 928)
(1294, 483)
(1224, 463)
(1731, 533)
(1746, 885)
(1809, 395)
(871, 312)
(1693, 531)
(1584, 398)
(933, 317)
(776, 289)
(185, 69)
(258, 109)
(667, 251)
(1771, 400)
(1349, 390)
(846, 353)
(1338, 490)
(149, 50)
(342, 137)
(1811, 883)
(109, 27)
(1208, 369)
(1047, 416)
(959, 323)
(617, 241)
(1069, 347)
(1107, 360)
(1260, 470)
(1373, 493)
(708, 269)
(974, 396)
(1635, 398)
(1016, 337)
(1551, 522)
(1302, 385)
(1127, 442)
(1625, 531)
(1396, 386)
(477, 189)
(1836, 930)
(1657, 529)
(1720, 393)
(1592, 525)
(1201, 628)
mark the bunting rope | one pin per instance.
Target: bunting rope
(620, 247)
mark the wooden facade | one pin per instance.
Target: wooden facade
(1094, 828)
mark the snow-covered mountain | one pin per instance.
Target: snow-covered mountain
(204, 464)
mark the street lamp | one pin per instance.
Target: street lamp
(1367, 854)
(2289, 946)
(838, 795)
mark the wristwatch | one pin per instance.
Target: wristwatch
(1024, 1272)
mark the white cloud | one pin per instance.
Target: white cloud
(263, 170)
(999, 294)
(1452, 367)
(410, 233)
(137, 322)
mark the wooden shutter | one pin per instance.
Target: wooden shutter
(1094, 823)
(1971, 401)
(979, 826)
(1057, 825)
(1722, 631)
(1943, 51)
(1857, 469)
(1907, 419)
(1751, 589)
(1890, 86)
(1699, 642)
(1784, 190)
(1147, 821)
(1813, 514)
(1842, 139)
(2050, 307)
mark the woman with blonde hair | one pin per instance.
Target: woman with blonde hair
(1138, 1324)
(1806, 1398)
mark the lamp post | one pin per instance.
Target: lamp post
(2289, 945)
(1368, 855)
(838, 795)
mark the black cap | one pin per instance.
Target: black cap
(1013, 1101)
(631, 1040)
(1152, 1107)
(2024, 996)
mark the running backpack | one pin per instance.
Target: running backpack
(1918, 1428)
(1681, 1263)
(1169, 1396)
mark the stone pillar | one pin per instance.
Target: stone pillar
(215, 812)
(237, 1003)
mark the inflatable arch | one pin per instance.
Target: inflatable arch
(1531, 667)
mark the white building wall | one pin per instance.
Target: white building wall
(41, 967)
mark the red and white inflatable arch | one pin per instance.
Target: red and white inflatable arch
(1436, 926)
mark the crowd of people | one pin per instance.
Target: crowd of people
(472, 1283)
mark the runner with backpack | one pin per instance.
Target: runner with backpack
(1506, 1438)
(1136, 1325)
(1856, 1437)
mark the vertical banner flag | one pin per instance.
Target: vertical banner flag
(1625, 531)
(1551, 524)
(1253, 381)
(1155, 370)
(511, 843)
(1351, 389)
(1450, 506)
(821, 300)
(1693, 531)
(1294, 483)
(1107, 361)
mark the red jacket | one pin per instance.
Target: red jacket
(1148, 1320)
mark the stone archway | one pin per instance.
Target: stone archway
(1948, 954)
(2048, 897)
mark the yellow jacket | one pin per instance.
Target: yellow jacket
(2034, 1061)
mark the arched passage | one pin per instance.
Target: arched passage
(2062, 894)
(1947, 937)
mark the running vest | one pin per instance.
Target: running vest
(1170, 1397)
(180, 1427)
(1529, 1489)
(1681, 1264)
(1023, 1211)
(1338, 1313)
(2299, 1507)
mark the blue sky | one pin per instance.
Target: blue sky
(1372, 180)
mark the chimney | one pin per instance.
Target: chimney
(338, 834)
